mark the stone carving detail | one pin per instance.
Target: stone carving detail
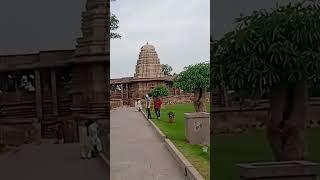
(94, 24)
(148, 64)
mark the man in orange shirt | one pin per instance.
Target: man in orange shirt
(157, 106)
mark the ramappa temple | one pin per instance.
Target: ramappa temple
(148, 75)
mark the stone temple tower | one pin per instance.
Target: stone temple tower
(148, 64)
(90, 66)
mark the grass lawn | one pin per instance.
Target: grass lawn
(176, 133)
(231, 149)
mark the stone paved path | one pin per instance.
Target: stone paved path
(136, 151)
(51, 162)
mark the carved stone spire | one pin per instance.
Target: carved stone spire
(94, 29)
(148, 64)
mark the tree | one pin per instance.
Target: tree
(277, 53)
(166, 69)
(159, 91)
(114, 25)
(195, 78)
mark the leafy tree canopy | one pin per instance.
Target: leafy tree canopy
(166, 69)
(269, 48)
(114, 25)
(159, 91)
(194, 77)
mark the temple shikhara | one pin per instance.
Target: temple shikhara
(148, 75)
(39, 91)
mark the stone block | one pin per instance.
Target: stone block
(197, 126)
(283, 170)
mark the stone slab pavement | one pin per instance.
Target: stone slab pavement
(137, 153)
(51, 162)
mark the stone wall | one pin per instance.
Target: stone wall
(115, 103)
(176, 99)
(181, 99)
(234, 119)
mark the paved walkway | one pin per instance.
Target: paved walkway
(51, 162)
(136, 151)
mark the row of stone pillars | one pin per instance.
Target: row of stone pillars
(123, 96)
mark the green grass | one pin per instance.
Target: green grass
(176, 133)
(231, 149)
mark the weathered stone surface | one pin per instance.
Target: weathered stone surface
(198, 128)
(148, 65)
(286, 170)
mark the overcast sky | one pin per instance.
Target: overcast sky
(179, 30)
(33, 25)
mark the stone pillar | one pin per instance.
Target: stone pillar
(54, 93)
(198, 128)
(38, 94)
(122, 93)
(127, 88)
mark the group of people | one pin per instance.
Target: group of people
(90, 141)
(157, 106)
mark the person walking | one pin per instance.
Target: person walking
(139, 106)
(85, 145)
(157, 106)
(95, 142)
(136, 105)
(148, 106)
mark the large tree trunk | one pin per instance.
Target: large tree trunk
(199, 100)
(288, 119)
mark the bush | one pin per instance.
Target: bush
(171, 115)
(159, 91)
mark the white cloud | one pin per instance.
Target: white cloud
(179, 30)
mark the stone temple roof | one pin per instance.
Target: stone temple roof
(132, 80)
(148, 65)
(148, 47)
